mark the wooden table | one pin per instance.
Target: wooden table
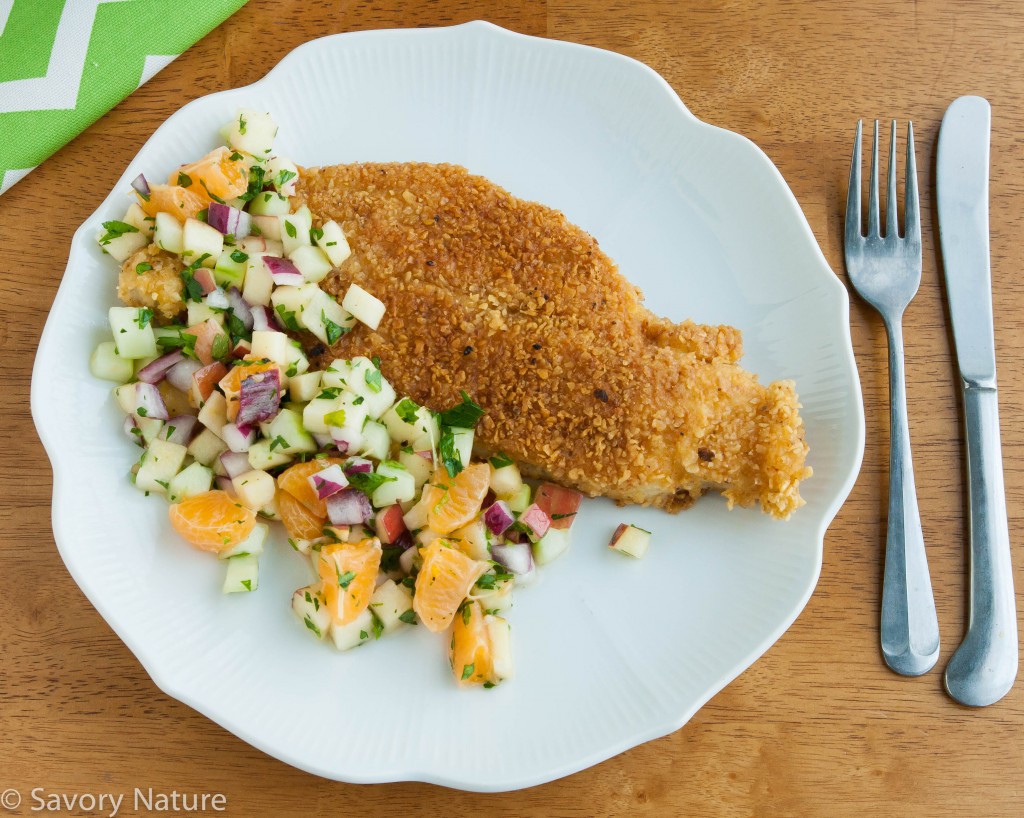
(818, 726)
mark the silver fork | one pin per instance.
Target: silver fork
(886, 271)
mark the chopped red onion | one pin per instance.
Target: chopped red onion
(259, 398)
(141, 186)
(323, 441)
(349, 507)
(283, 271)
(517, 558)
(240, 307)
(499, 518)
(239, 439)
(229, 220)
(427, 455)
(180, 375)
(235, 463)
(218, 299)
(262, 318)
(155, 371)
(149, 403)
(180, 428)
(536, 520)
(328, 481)
(131, 429)
(358, 465)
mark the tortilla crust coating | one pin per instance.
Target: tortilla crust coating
(157, 287)
(509, 301)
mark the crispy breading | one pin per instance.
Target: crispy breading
(507, 300)
(158, 288)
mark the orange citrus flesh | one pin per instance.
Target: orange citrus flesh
(212, 521)
(470, 649)
(349, 574)
(216, 174)
(454, 501)
(445, 579)
(179, 202)
(299, 521)
(295, 481)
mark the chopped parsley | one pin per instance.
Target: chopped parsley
(289, 228)
(144, 317)
(211, 194)
(409, 617)
(315, 234)
(238, 256)
(247, 583)
(406, 409)
(236, 156)
(449, 453)
(284, 176)
(235, 326)
(142, 268)
(465, 415)
(467, 671)
(310, 624)
(184, 180)
(256, 174)
(334, 331)
(115, 229)
(501, 460)
(373, 380)
(329, 393)
(241, 125)
(288, 318)
(278, 441)
(221, 346)
(335, 418)
(184, 341)
(193, 289)
(378, 628)
(344, 580)
(368, 482)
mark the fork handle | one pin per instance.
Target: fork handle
(984, 667)
(910, 628)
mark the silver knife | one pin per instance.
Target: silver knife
(984, 667)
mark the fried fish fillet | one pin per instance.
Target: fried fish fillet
(507, 300)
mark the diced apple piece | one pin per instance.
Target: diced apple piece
(121, 238)
(308, 605)
(201, 241)
(332, 241)
(363, 306)
(357, 632)
(214, 414)
(401, 488)
(106, 364)
(136, 217)
(324, 317)
(506, 481)
(287, 430)
(376, 441)
(391, 603)
(159, 464)
(192, 480)
(242, 575)
(295, 229)
(252, 132)
(551, 546)
(282, 173)
(305, 387)
(500, 633)
(272, 345)
(133, 332)
(250, 546)
(419, 467)
(169, 235)
(207, 447)
(259, 284)
(311, 262)
(262, 457)
(230, 269)
(630, 540)
(254, 489)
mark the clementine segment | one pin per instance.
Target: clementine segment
(299, 521)
(349, 575)
(444, 580)
(216, 174)
(454, 501)
(181, 203)
(295, 481)
(212, 521)
(470, 649)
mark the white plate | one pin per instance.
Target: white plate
(609, 652)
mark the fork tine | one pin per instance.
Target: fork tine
(891, 230)
(912, 230)
(873, 229)
(853, 230)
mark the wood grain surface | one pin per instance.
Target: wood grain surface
(818, 726)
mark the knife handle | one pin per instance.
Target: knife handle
(910, 628)
(984, 667)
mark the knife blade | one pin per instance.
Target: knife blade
(984, 667)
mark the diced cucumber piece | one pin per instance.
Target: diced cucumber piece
(402, 421)
(400, 489)
(254, 488)
(322, 316)
(316, 411)
(551, 546)
(362, 377)
(419, 467)
(311, 262)
(251, 545)
(199, 239)
(214, 414)
(258, 282)
(631, 541)
(206, 447)
(242, 575)
(158, 466)
(376, 441)
(500, 633)
(192, 480)
(303, 388)
(308, 605)
(229, 272)
(272, 345)
(287, 432)
(498, 598)
(200, 312)
(252, 132)
(269, 203)
(357, 632)
(119, 244)
(520, 501)
(169, 235)
(106, 364)
(132, 329)
(262, 457)
(506, 482)
(295, 229)
(392, 605)
(333, 243)
(297, 363)
(283, 173)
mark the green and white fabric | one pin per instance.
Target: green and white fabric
(64, 63)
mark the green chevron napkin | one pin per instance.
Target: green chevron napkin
(64, 63)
